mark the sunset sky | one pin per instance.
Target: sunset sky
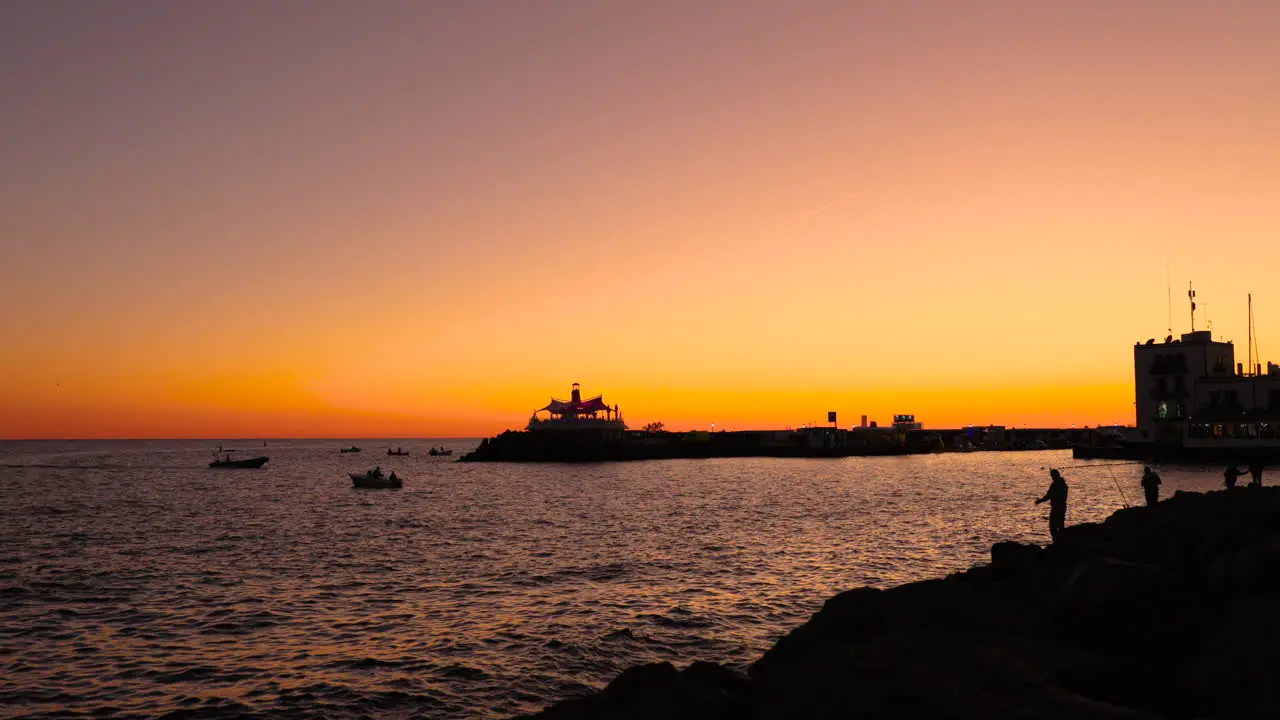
(419, 218)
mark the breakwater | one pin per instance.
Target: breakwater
(1164, 611)
(599, 445)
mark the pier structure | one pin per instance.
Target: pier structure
(577, 430)
(810, 442)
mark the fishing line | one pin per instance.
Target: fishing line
(1107, 466)
(1117, 482)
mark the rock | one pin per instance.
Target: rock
(658, 690)
(1011, 560)
(865, 613)
(1232, 672)
(1248, 570)
(1122, 608)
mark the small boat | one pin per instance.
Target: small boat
(351, 449)
(227, 462)
(372, 481)
(397, 451)
(437, 452)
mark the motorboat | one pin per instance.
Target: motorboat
(228, 463)
(351, 449)
(437, 452)
(397, 451)
(375, 480)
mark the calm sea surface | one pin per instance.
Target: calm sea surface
(134, 581)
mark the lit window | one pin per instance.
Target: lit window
(1163, 410)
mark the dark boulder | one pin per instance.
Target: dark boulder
(1011, 560)
(1250, 569)
(1118, 606)
(658, 690)
(1232, 672)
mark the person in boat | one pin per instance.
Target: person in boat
(393, 476)
(1151, 485)
(1057, 498)
(377, 471)
(1230, 475)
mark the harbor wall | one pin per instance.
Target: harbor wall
(592, 445)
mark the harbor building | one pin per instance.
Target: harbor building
(1191, 392)
(578, 414)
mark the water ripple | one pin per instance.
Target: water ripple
(134, 582)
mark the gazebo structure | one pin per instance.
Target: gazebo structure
(578, 414)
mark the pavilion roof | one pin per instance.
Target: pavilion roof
(595, 404)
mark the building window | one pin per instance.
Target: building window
(1163, 410)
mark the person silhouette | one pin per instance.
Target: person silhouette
(1151, 485)
(1255, 471)
(1056, 495)
(1230, 475)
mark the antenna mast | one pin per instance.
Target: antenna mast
(1254, 356)
(1191, 295)
(1168, 286)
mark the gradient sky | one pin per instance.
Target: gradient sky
(412, 218)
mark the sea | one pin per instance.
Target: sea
(137, 582)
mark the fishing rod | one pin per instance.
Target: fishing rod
(1117, 483)
(1099, 465)
(1110, 472)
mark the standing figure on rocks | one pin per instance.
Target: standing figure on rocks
(1151, 485)
(1255, 470)
(1057, 497)
(1229, 476)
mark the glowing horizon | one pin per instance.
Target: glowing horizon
(425, 219)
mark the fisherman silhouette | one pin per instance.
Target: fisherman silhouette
(1229, 476)
(1057, 497)
(1151, 485)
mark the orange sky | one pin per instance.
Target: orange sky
(413, 219)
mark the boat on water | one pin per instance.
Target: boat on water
(438, 452)
(397, 451)
(375, 480)
(228, 463)
(351, 449)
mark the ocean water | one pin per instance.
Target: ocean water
(134, 581)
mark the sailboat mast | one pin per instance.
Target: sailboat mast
(1250, 372)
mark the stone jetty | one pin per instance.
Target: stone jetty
(1165, 611)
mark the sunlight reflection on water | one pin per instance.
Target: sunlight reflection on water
(150, 583)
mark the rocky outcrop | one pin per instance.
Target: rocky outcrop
(1166, 611)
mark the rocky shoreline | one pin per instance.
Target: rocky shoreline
(1164, 611)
